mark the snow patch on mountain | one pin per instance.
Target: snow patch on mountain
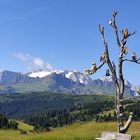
(74, 75)
(39, 74)
(106, 79)
(78, 77)
(42, 74)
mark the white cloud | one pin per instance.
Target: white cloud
(33, 63)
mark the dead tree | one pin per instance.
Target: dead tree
(116, 72)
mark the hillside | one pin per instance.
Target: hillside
(77, 131)
(48, 109)
(53, 109)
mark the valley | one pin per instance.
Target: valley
(60, 105)
(69, 70)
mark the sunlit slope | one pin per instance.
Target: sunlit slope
(77, 131)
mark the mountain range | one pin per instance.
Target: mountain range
(58, 81)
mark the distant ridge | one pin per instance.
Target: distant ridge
(58, 81)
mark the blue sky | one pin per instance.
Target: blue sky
(63, 34)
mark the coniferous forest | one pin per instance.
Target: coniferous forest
(46, 110)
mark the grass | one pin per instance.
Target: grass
(77, 131)
(25, 126)
(107, 112)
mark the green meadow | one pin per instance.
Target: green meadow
(76, 131)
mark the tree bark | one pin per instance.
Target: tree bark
(118, 78)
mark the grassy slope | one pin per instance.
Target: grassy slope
(25, 126)
(77, 131)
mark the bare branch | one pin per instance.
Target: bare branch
(130, 98)
(100, 66)
(90, 71)
(121, 79)
(121, 52)
(101, 29)
(115, 75)
(108, 61)
(137, 61)
(128, 123)
(130, 34)
(116, 29)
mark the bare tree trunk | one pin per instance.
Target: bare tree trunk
(122, 128)
(117, 77)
